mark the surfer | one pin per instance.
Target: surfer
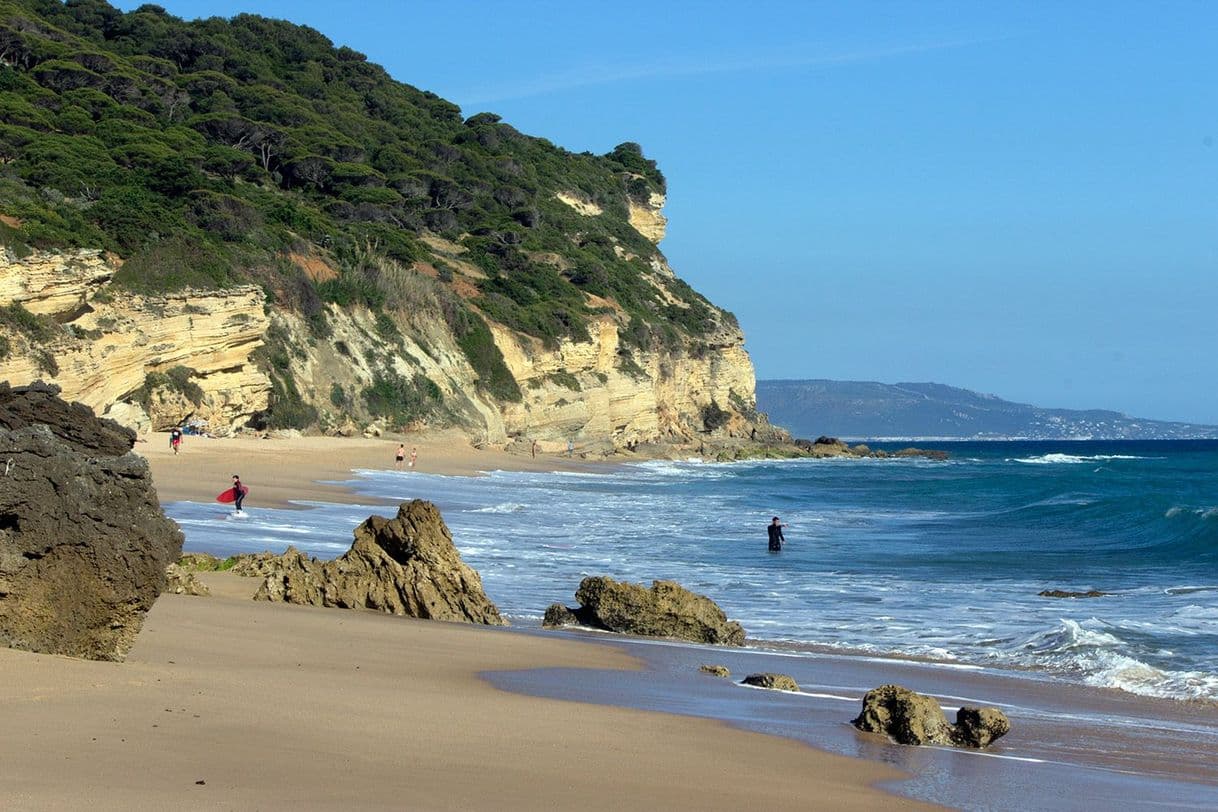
(776, 538)
(238, 492)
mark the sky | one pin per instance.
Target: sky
(1016, 198)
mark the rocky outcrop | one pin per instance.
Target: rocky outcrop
(182, 581)
(774, 682)
(833, 447)
(648, 218)
(907, 717)
(111, 343)
(407, 565)
(83, 542)
(1063, 593)
(665, 610)
(715, 670)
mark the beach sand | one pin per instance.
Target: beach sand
(278, 471)
(231, 704)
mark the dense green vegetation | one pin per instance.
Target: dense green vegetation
(204, 152)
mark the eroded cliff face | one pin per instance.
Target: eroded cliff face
(232, 356)
(110, 341)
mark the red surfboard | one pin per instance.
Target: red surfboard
(226, 495)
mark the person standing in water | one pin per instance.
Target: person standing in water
(776, 538)
(238, 492)
(414, 456)
(400, 457)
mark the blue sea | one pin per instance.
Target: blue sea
(898, 557)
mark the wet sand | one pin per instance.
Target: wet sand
(225, 703)
(1071, 747)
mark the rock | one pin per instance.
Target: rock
(1060, 593)
(199, 562)
(715, 670)
(978, 727)
(252, 565)
(558, 615)
(775, 682)
(83, 542)
(926, 453)
(131, 416)
(407, 565)
(181, 581)
(373, 430)
(907, 717)
(286, 434)
(665, 610)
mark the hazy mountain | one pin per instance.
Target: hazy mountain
(908, 410)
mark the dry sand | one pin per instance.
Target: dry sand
(225, 703)
(279, 470)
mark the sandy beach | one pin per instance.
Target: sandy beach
(225, 703)
(279, 471)
(229, 703)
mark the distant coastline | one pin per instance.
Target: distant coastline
(904, 412)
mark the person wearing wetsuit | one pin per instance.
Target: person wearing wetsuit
(776, 538)
(238, 492)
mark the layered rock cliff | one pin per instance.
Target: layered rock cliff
(102, 346)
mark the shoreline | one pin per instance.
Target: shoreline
(283, 471)
(227, 702)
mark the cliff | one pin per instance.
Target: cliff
(264, 230)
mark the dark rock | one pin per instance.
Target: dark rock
(83, 541)
(978, 727)
(1061, 593)
(407, 565)
(39, 405)
(926, 453)
(558, 615)
(907, 717)
(715, 670)
(775, 682)
(665, 610)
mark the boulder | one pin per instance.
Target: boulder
(407, 565)
(775, 682)
(978, 727)
(83, 541)
(557, 616)
(182, 581)
(665, 610)
(200, 562)
(907, 717)
(715, 670)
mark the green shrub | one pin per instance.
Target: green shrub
(399, 400)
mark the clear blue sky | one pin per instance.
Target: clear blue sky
(1016, 198)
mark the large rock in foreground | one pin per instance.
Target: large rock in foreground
(907, 717)
(407, 565)
(83, 542)
(665, 610)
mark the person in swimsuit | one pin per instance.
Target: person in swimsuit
(776, 538)
(414, 456)
(400, 457)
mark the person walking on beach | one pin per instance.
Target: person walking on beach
(776, 538)
(238, 492)
(400, 457)
(414, 455)
(175, 439)
(534, 449)
(570, 448)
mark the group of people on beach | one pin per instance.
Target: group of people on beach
(400, 457)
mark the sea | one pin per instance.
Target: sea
(907, 558)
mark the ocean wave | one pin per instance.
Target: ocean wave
(502, 507)
(1074, 459)
(1202, 512)
(1101, 658)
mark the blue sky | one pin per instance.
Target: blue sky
(1016, 198)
